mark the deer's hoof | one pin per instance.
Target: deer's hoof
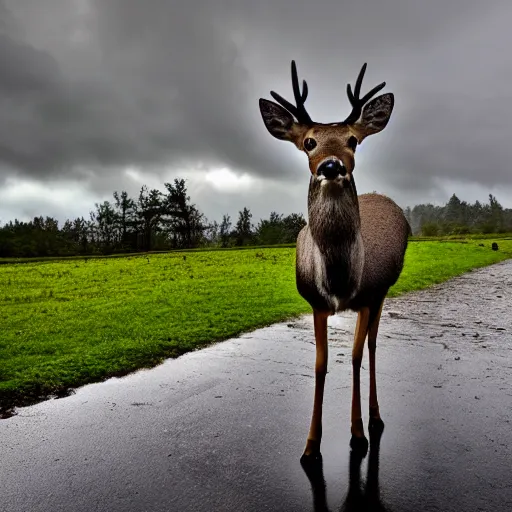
(376, 426)
(311, 459)
(311, 451)
(359, 445)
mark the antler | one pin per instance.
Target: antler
(356, 102)
(299, 111)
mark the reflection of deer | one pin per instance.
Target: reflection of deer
(358, 499)
(352, 250)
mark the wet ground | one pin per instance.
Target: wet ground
(222, 429)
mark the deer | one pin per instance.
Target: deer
(352, 249)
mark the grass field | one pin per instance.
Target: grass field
(70, 322)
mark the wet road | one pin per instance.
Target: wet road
(222, 429)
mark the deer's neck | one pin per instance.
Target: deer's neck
(333, 212)
(335, 227)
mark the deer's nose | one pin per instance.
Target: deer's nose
(331, 169)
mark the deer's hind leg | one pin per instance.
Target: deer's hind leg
(375, 421)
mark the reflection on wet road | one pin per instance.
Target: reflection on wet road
(361, 497)
(224, 428)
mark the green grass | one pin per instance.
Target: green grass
(71, 322)
(467, 237)
(4, 261)
(431, 262)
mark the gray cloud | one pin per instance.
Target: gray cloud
(89, 88)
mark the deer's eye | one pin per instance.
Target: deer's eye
(352, 143)
(309, 144)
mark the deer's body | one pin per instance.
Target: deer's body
(352, 250)
(351, 258)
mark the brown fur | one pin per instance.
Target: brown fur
(357, 244)
(385, 231)
(331, 141)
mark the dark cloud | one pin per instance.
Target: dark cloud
(164, 85)
(168, 89)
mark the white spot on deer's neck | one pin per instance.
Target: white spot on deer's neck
(320, 276)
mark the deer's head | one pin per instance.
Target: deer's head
(330, 147)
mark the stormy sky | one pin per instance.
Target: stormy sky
(104, 95)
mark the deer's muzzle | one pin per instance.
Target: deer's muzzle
(331, 169)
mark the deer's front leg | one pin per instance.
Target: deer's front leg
(358, 441)
(312, 449)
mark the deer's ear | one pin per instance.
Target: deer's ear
(280, 123)
(375, 116)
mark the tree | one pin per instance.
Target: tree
(271, 231)
(430, 229)
(496, 214)
(225, 231)
(148, 211)
(211, 234)
(452, 210)
(125, 211)
(106, 221)
(185, 222)
(243, 229)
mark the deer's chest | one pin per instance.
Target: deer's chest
(328, 277)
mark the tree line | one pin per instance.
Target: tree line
(458, 217)
(152, 221)
(161, 221)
